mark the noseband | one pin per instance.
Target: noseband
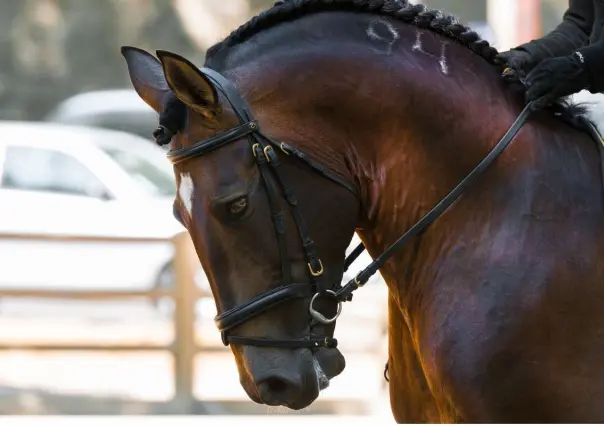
(265, 151)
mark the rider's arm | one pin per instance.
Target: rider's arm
(572, 33)
(593, 56)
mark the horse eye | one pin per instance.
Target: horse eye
(238, 207)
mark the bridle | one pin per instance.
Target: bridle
(265, 151)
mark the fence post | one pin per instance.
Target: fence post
(185, 298)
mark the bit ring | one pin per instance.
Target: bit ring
(318, 315)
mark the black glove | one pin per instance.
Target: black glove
(515, 63)
(556, 77)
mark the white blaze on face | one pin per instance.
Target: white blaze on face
(185, 192)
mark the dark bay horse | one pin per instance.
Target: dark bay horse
(495, 310)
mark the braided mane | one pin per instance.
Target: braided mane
(415, 14)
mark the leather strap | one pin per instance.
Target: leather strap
(213, 143)
(326, 342)
(277, 215)
(316, 166)
(239, 105)
(308, 245)
(263, 302)
(353, 256)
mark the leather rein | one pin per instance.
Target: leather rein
(265, 151)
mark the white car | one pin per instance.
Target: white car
(117, 109)
(79, 181)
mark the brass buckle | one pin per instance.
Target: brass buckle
(285, 151)
(256, 145)
(266, 150)
(313, 272)
(356, 281)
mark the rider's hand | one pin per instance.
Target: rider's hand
(515, 64)
(556, 77)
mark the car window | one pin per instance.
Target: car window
(39, 169)
(150, 177)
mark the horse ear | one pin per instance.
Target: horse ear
(189, 84)
(147, 76)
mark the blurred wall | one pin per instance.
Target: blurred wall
(551, 13)
(465, 10)
(52, 49)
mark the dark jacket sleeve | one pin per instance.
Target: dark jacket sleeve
(572, 33)
(594, 63)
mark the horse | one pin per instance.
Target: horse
(317, 119)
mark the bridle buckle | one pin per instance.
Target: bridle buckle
(267, 152)
(313, 272)
(285, 151)
(359, 283)
(256, 147)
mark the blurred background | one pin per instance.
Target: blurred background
(103, 307)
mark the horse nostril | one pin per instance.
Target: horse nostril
(275, 390)
(276, 385)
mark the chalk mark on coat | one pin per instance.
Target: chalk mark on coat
(384, 32)
(442, 57)
(418, 42)
(444, 66)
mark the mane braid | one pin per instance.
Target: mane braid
(415, 14)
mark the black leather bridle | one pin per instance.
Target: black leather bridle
(265, 151)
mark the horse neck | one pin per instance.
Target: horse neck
(453, 122)
(545, 183)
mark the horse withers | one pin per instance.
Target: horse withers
(319, 118)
